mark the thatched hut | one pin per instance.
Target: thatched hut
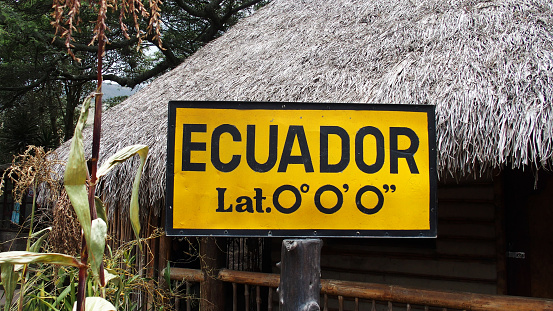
(487, 66)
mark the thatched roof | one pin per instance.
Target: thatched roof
(486, 65)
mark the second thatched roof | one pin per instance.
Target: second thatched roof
(486, 65)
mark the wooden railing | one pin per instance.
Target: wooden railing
(370, 293)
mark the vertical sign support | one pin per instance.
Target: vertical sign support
(212, 259)
(300, 276)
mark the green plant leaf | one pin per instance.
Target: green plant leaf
(73, 292)
(167, 275)
(50, 306)
(96, 304)
(76, 172)
(38, 243)
(62, 296)
(100, 209)
(22, 258)
(41, 232)
(120, 156)
(99, 232)
(9, 282)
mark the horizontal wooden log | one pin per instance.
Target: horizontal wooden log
(251, 278)
(381, 292)
(446, 299)
(184, 274)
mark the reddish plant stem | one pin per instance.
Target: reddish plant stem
(81, 288)
(96, 140)
(97, 130)
(96, 135)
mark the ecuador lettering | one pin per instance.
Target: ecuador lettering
(296, 135)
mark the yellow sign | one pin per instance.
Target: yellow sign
(262, 169)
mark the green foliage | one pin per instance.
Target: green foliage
(24, 258)
(99, 231)
(101, 209)
(41, 237)
(37, 104)
(47, 290)
(76, 175)
(9, 282)
(119, 157)
(127, 279)
(54, 287)
(94, 231)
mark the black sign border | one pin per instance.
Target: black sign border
(303, 233)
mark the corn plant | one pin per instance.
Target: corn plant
(94, 230)
(84, 201)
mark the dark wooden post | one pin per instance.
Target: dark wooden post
(164, 254)
(300, 276)
(212, 257)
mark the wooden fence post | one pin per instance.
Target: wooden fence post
(300, 276)
(212, 259)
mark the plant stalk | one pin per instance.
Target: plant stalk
(81, 288)
(96, 135)
(24, 271)
(96, 141)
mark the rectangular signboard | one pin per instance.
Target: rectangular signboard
(301, 170)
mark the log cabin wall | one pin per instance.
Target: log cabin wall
(464, 257)
(529, 234)
(540, 257)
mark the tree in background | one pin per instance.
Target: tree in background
(42, 82)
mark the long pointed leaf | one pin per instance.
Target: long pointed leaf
(76, 172)
(9, 282)
(100, 209)
(22, 258)
(99, 233)
(62, 296)
(38, 243)
(41, 232)
(167, 275)
(121, 156)
(134, 208)
(50, 306)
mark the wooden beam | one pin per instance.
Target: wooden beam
(415, 296)
(185, 274)
(253, 278)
